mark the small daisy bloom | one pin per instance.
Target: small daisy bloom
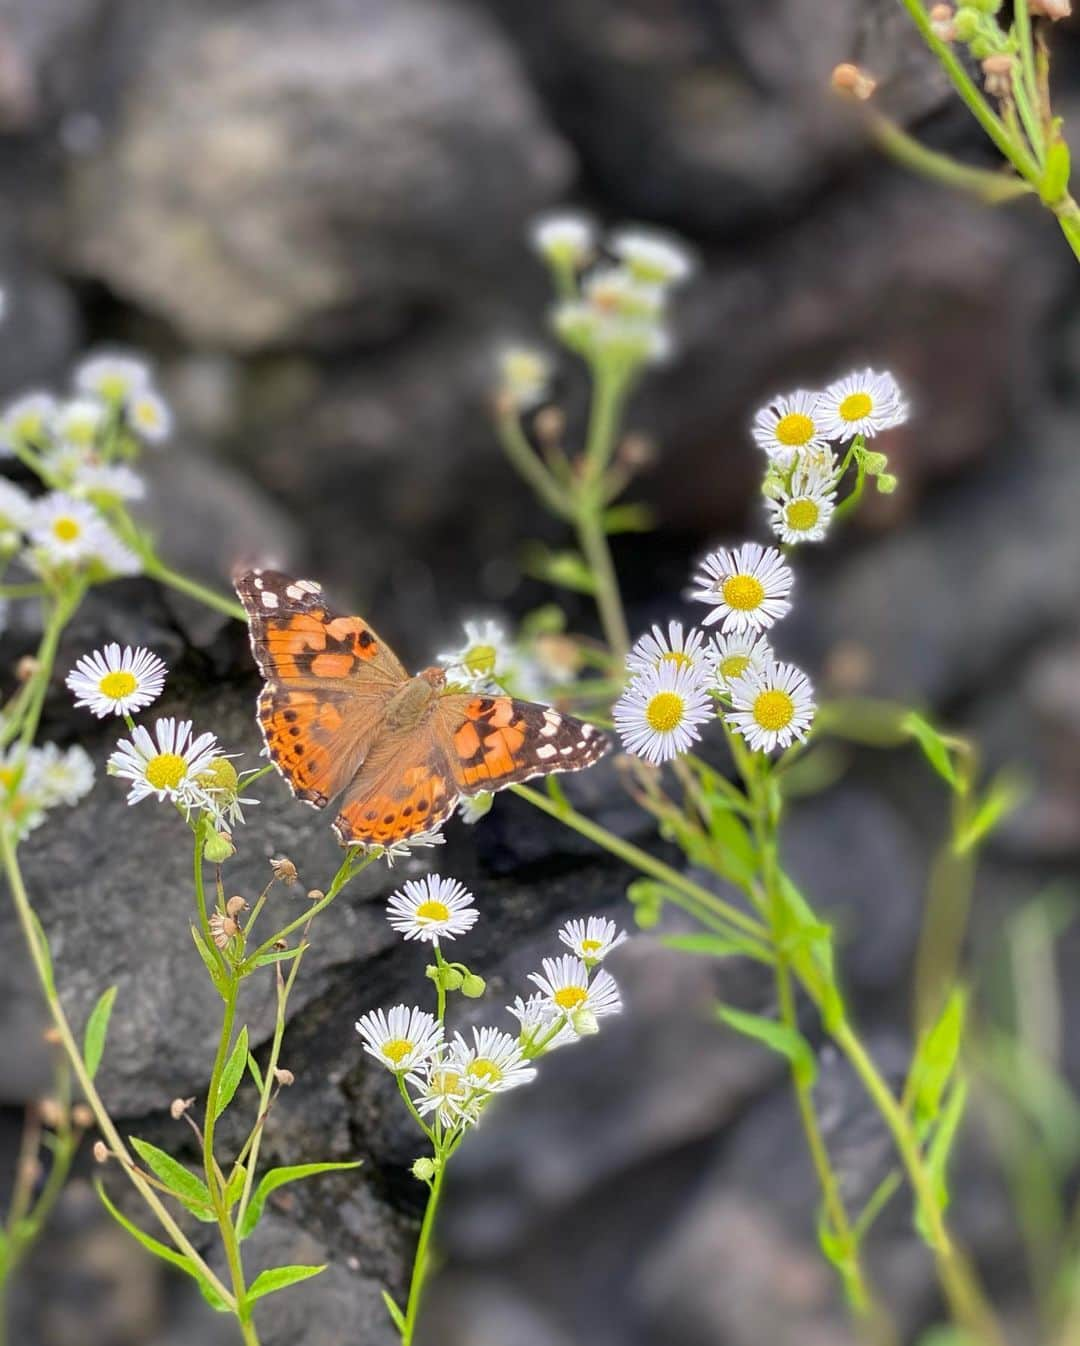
(524, 375)
(565, 984)
(471, 808)
(565, 239)
(442, 1089)
(166, 764)
(541, 1023)
(402, 1039)
(63, 777)
(633, 340)
(493, 1064)
(28, 420)
(801, 511)
(149, 416)
(592, 940)
(773, 708)
(107, 483)
(432, 908)
(616, 290)
(80, 420)
(652, 257)
(657, 717)
(485, 657)
(112, 555)
(116, 379)
(653, 650)
(788, 424)
(16, 514)
(734, 655)
(66, 529)
(748, 589)
(220, 785)
(863, 403)
(403, 849)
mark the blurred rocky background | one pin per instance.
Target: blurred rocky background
(312, 215)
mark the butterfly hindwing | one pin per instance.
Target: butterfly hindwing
(403, 788)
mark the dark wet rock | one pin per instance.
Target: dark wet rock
(40, 329)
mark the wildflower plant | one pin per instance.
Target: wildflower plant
(447, 1080)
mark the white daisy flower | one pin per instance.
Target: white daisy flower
(565, 984)
(485, 657)
(107, 483)
(657, 717)
(592, 940)
(28, 420)
(471, 808)
(633, 340)
(432, 908)
(80, 421)
(16, 514)
(442, 1089)
(747, 589)
(861, 403)
(493, 1064)
(618, 291)
(63, 461)
(63, 777)
(402, 1039)
(112, 555)
(653, 650)
(166, 764)
(220, 786)
(737, 653)
(541, 1024)
(773, 708)
(801, 511)
(149, 416)
(524, 375)
(652, 257)
(565, 239)
(787, 424)
(67, 530)
(403, 849)
(114, 378)
(21, 801)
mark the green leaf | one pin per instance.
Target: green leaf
(546, 620)
(256, 1073)
(863, 719)
(1055, 178)
(233, 1073)
(647, 897)
(567, 569)
(937, 1156)
(278, 1177)
(787, 1041)
(235, 1186)
(734, 858)
(152, 1245)
(935, 748)
(935, 1059)
(1002, 796)
(279, 956)
(396, 1315)
(712, 946)
(189, 1190)
(266, 1282)
(629, 518)
(97, 1026)
(212, 963)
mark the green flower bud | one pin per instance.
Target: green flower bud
(966, 24)
(218, 847)
(981, 48)
(451, 979)
(432, 973)
(887, 483)
(473, 987)
(585, 1024)
(220, 775)
(986, 6)
(424, 1169)
(874, 463)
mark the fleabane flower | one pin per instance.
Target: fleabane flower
(67, 530)
(116, 681)
(801, 511)
(565, 239)
(471, 808)
(748, 589)
(862, 403)
(593, 939)
(617, 291)
(566, 985)
(401, 1039)
(107, 483)
(731, 656)
(652, 257)
(484, 658)
(542, 1025)
(62, 777)
(149, 416)
(432, 908)
(220, 785)
(114, 378)
(166, 764)
(494, 1062)
(403, 849)
(22, 803)
(524, 375)
(441, 1088)
(654, 650)
(80, 421)
(657, 717)
(29, 420)
(16, 515)
(788, 424)
(772, 709)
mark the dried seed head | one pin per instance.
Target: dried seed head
(637, 451)
(284, 869)
(315, 895)
(1050, 9)
(101, 1152)
(222, 929)
(51, 1113)
(284, 1077)
(51, 1036)
(550, 425)
(941, 21)
(997, 70)
(26, 668)
(82, 1115)
(281, 944)
(235, 906)
(849, 80)
(179, 1106)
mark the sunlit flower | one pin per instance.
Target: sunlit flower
(116, 379)
(402, 1039)
(432, 908)
(21, 800)
(149, 416)
(862, 403)
(442, 1089)
(63, 777)
(652, 257)
(524, 375)
(787, 424)
(471, 808)
(733, 655)
(80, 420)
(16, 514)
(67, 530)
(112, 555)
(493, 1064)
(802, 510)
(565, 239)
(657, 717)
(29, 420)
(653, 650)
(773, 708)
(403, 849)
(220, 785)
(618, 291)
(542, 1025)
(107, 483)
(167, 764)
(565, 983)
(746, 589)
(485, 657)
(593, 939)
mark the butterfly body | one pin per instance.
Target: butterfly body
(340, 716)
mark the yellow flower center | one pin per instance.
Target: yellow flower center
(480, 660)
(676, 657)
(794, 429)
(571, 997)
(743, 592)
(855, 406)
(589, 946)
(734, 666)
(146, 413)
(113, 387)
(802, 515)
(432, 911)
(7, 776)
(67, 530)
(446, 1082)
(664, 712)
(166, 770)
(397, 1049)
(118, 685)
(220, 775)
(485, 1069)
(773, 709)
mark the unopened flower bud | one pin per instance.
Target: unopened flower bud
(101, 1152)
(179, 1106)
(849, 80)
(220, 775)
(284, 869)
(967, 24)
(584, 1022)
(887, 483)
(424, 1169)
(315, 895)
(874, 463)
(636, 451)
(452, 979)
(51, 1113)
(222, 929)
(284, 1077)
(218, 847)
(51, 1036)
(473, 987)
(82, 1115)
(26, 667)
(550, 425)
(941, 21)
(235, 906)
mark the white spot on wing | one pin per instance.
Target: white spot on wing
(545, 751)
(269, 600)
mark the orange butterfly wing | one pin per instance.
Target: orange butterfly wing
(328, 680)
(406, 786)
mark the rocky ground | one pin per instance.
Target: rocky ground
(312, 216)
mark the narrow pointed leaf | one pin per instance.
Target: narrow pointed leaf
(97, 1026)
(233, 1073)
(212, 964)
(779, 1037)
(396, 1315)
(189, 1190)
(278, 1177)
(278, 1278)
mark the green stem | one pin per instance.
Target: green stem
(521, 454)
(349, 869)
(1026, 86)
(594, 546)
(1068, 217)
(423, 1257)
(164, 574)
(991, 187)
(66, 603)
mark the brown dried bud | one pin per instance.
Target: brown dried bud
(849, 80)
(26, 667)
(52, 1036)
(284, 1077)
(315, 895)
(281, 944)
(101, 1152)
(235, 906)
(51, 1113)
(941, 21)
(637, 451)
(1051, 9)
(222, 929)
(997, 70)
(179, 1106)
(284, 869)
(550, 425)
(31, 1170)
(82, 1115)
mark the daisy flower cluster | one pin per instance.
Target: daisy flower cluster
(680, 680)
(169, 762)
(448, 1080)
(488, 660)
(81, 448)
(34, 780)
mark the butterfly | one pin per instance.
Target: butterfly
(341, 716)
